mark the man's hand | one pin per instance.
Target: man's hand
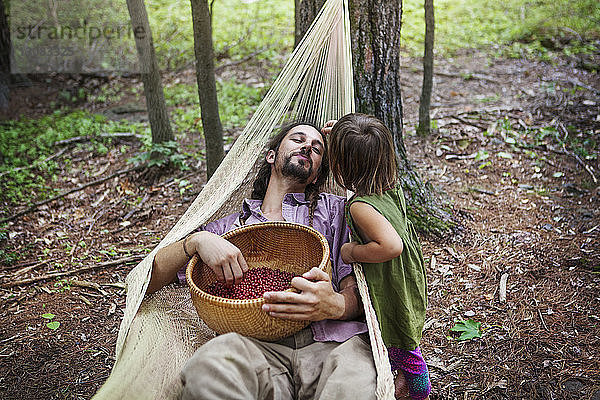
(220, 255)
(316, 301)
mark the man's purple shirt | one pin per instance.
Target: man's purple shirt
(330, 221)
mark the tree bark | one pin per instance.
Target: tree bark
(375, 37)
(153, 89)
(424, 126)
(207, 88)
(4, 57)
(304, 13)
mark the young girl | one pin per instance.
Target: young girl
(384, 241)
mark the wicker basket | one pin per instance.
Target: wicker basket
(280, 245)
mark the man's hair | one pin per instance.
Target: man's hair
(361, 154)
(259, 188)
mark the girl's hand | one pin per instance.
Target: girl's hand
(326, 130)
(346, 252)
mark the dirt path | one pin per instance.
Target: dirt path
(530, 215)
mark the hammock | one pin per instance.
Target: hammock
(160, 332)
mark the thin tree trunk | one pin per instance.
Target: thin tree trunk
(375, 38)
(304, 13)
(4, 57)
(153, 89)
(207, 88)
(424, 126)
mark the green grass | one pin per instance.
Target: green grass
(239, 30)
(26, 142)
(237, 102)
(483, 23)
(244, 28)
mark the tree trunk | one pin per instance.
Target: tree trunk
(304, 13)
(155, 99)
(375, 37)
(4, 58)
(207, 88)
(424, 126)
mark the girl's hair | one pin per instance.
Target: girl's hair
(361, 154)
(259, 188)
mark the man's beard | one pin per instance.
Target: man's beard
(297, 171)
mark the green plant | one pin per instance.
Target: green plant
(112, 251)
(163, 154)
(27, 143)
(183, 185)
(61, 286)
(52, 324)
(237, 101)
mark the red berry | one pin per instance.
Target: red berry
(254, 284)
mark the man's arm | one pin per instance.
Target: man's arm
(220, 255)
(167, 262)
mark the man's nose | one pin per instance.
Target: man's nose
(307, 148)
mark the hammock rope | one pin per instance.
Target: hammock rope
(160, 332)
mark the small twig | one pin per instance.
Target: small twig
(540, 315)
(502, 287)
(10, 338)
(137, 208)
(575, 156)
(465, 76)
(125, 260)
(464, 121)
(94, 219)
(35, 164)
(577, 82)
(243, 60)
(68, 192)
(34, 266)
(87, 284)
(116, 135)
(84, 299)
(118, 285)
(483, 191)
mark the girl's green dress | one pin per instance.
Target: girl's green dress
(398, 287)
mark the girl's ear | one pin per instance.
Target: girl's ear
(270, 157)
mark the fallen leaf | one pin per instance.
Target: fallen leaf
(470, 329)
(463, 143)
(53, 325)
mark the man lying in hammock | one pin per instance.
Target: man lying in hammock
(331, 358)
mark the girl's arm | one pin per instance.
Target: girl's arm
(383, 242)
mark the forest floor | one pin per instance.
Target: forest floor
(525, 263)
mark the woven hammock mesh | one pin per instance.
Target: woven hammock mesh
(160, 332)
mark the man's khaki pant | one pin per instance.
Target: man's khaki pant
(232, 367)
